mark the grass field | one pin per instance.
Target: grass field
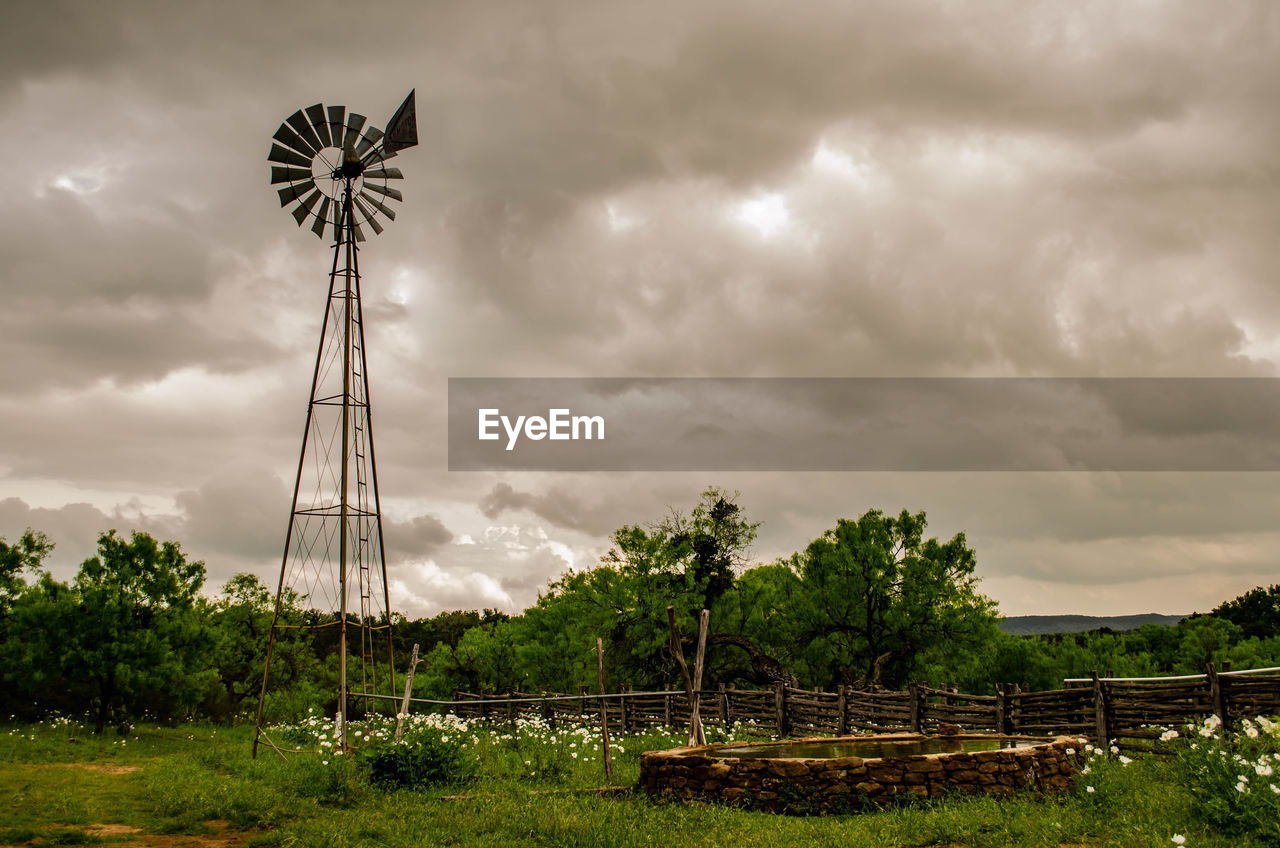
(196, 785)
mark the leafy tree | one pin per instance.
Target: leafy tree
(1256, 612)
(754, 638)
(27, 554)
(1205, 639)
(876, 595)
(447, 627)
(131, 628)
(241, 623)
(711, 542)
(684, 561)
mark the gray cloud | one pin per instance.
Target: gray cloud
(955, 190)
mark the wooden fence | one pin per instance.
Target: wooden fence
(1128, 710)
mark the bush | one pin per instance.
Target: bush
(1234, 777)
(428, 760)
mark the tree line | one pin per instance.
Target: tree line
(872, 602)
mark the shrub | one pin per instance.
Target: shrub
(428, 760)
(1234, 777)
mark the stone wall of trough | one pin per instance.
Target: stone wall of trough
(851, 783)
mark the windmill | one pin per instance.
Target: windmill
(333, 170)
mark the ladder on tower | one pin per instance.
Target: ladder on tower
(363, 534)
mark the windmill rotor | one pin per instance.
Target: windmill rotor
(320, 155)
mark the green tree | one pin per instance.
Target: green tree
(241, 621)
(710, 544)
(876, 596)
(1256, 612)
(131, 629)
(27, 554)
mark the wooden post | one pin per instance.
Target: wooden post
(582, 702)
(408, 689)
(622, 707)
(1100, 710)
(696, 735)
(678, 652)
(666, 711)
(1216, 696)
(1015, 710)
(1002, 710)
(780, 707)
(604, 715)
(916, 707)
(842, 710)
(511, 716)
(724, 707)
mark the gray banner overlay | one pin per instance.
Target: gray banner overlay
(865, 424)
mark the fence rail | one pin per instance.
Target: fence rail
(1120, 709)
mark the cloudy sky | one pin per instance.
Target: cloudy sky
(736, 189)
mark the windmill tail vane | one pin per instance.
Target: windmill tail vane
(332, 171)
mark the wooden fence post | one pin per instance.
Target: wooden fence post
(780, 707)
(604, 714)
(1002, 710)
(917, 705)
(667, 717)
(408, 690)
(690, 687)
(1217, 697)
(548, 714)
(1100, 710)
(1015, 710)
(724, 706)
(696, 734)
(842, 710)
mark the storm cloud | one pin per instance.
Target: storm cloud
(718, 189)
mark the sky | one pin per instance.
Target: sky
(667, 189)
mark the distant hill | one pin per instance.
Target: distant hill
(1028, 625)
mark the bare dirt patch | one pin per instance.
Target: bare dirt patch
(125, 836)
(111, 829)
(104, 769)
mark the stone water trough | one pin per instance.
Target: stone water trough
(849, 773)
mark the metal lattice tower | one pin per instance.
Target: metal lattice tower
(334, 169)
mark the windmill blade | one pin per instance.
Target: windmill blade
(304, 208)
(377, 155)
(337, 121)
(295, 191)
(383, 190)
(289, 175)
(402, 129)
(289, 138)
(355, 228)
(287, 157)
(371, 137)
(303, 127)
(322, 218)
(376, 204)
(354, 124)
(316, 115)
(368, 216)
(384, 173)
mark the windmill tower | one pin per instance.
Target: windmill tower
(334, 171)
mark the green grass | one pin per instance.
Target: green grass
(190, 775)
